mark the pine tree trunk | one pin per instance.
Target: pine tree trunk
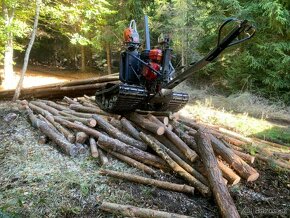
(109, 62)
(27, 53)
(83, 64)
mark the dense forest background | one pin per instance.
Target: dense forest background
(86, 35)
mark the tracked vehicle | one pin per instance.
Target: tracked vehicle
(148, 77)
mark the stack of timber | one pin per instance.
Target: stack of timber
(205, 157)
(58, 90)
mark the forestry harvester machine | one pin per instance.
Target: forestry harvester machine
(148, 77)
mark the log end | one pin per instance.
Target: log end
(252, 159)
(71, 138)
(253, 177)
(160, 130)
(236, 181)
(169, 127)
(166, 120)
(92, 122)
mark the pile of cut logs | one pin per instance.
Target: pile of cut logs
(154, 142)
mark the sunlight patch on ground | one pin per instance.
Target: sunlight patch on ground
(238, 122)
(30, 81)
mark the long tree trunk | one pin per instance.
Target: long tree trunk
(27, 53)
(83, 54)
(109, 59)
(8, 55)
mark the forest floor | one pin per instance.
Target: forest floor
(39, 181)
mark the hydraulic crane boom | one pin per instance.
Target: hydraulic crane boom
(242, 28)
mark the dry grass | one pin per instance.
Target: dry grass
(244, 113)
(245, 103)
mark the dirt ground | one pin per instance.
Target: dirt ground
(39, 181)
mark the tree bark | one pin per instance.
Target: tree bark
(81, 137)
(220, 191)
(95, 110)
(83, 58)
(241, 167)
(146, 124)
(175, 167)
(86, 121)
(27, 53)
(130, 128)
(133, 163)
(180, 162)
(109, 59)
(93, 146)
(147, 181)
(131, 211)
(67, 133)
(115, 145)
(229, 174)
(102, 157)
(54, 136)
(42, 105)
(111, 130)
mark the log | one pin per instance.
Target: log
(115, 145)
(189, 140)
(54, 105)
(229, 174)
(189, 153)
(147, 181)
(130, 128)
(86, 121)
(163, 119)
(240, 166)
(270, 159)
(54, 136)
(59, 139)
(220, 191)
(42, 105)
(154, 119)
(180, 162)
(116, 123)
(107, 78)
(155, 113)
(42, 139)
(46, 121)
(68, 134)
(70, 101)
(33, 119)
(111, 130)
(133, 163)
(94, 110)
(39, 110)
(93, 146)
(246, 157)
(285, 156)
(181, 145)
(168, 144)
(70, 113)
(91, 132)
(103, 159)
(146, 124)
(204, 190)
(81, 137)
(59, 89)
(131, 211)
